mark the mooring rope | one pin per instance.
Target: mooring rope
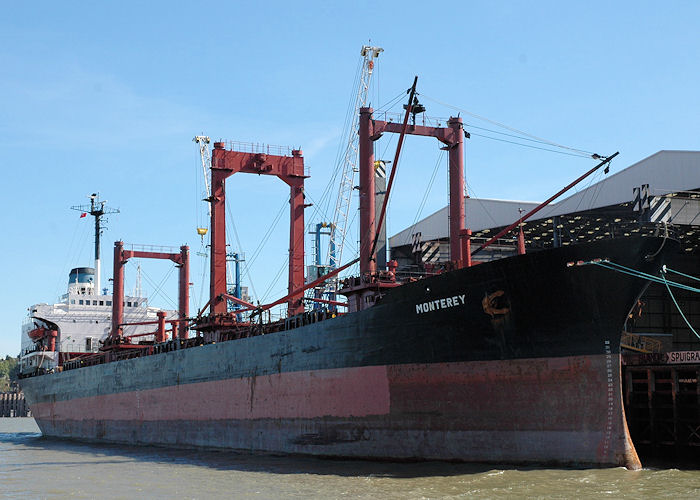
(613, 266)
(682, 274)
(663, 272)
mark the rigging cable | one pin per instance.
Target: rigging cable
(240, 249)
(480, 202)
(67, 258)
(322, 207)
(579, 155)
(425, 194)
(576, 209)
(268, 233)
(507, 127)
(275, 280)
(471, 125)
(310, 227)
(597, 187)
(159, 286)
(391, 103)
(342, 148)
(257, 252)
(204, 275)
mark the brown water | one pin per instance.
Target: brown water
(35, 467)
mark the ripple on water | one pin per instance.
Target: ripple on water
(32, 466)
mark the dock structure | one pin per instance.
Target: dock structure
(12, 404)
(662, 402)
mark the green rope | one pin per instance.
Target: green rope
(641, 275)
(682, 274)
(677, 306)
(657, 280)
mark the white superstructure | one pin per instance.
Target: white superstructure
(53, 333)
(82, 319)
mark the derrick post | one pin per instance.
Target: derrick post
(456, 159)
(288, 168)
(296, 238)
(184, 291)
(466, 235)
(118, 292)
(368, 261)
(52, 340)
(160, 334)
(217, 285)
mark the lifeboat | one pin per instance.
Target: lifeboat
(38, 333)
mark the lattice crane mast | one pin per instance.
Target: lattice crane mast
(205, 156)
(349, 162)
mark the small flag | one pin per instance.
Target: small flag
(84, 214)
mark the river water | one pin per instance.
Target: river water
(32, 466)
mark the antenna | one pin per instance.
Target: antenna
(97, 209)
(138, 281)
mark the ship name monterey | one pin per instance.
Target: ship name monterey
(437, 304)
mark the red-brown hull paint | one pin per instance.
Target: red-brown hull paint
(556, 410)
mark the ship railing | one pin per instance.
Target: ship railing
(422, 119)
(147, 349)
(308, 318)
(28, 321)
(257, 147)
(640, 343)
(30, 350)
(135, 247)
(413, 272)
(260, 148)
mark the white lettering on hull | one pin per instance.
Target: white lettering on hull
(443, 303)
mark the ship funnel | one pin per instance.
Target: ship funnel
(81, 280)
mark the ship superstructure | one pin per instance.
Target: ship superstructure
(77, 324)
(81, 320)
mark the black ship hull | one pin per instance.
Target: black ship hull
(516, 360)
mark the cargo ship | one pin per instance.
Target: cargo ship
(515, 360)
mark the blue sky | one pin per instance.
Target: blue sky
(107, 96)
